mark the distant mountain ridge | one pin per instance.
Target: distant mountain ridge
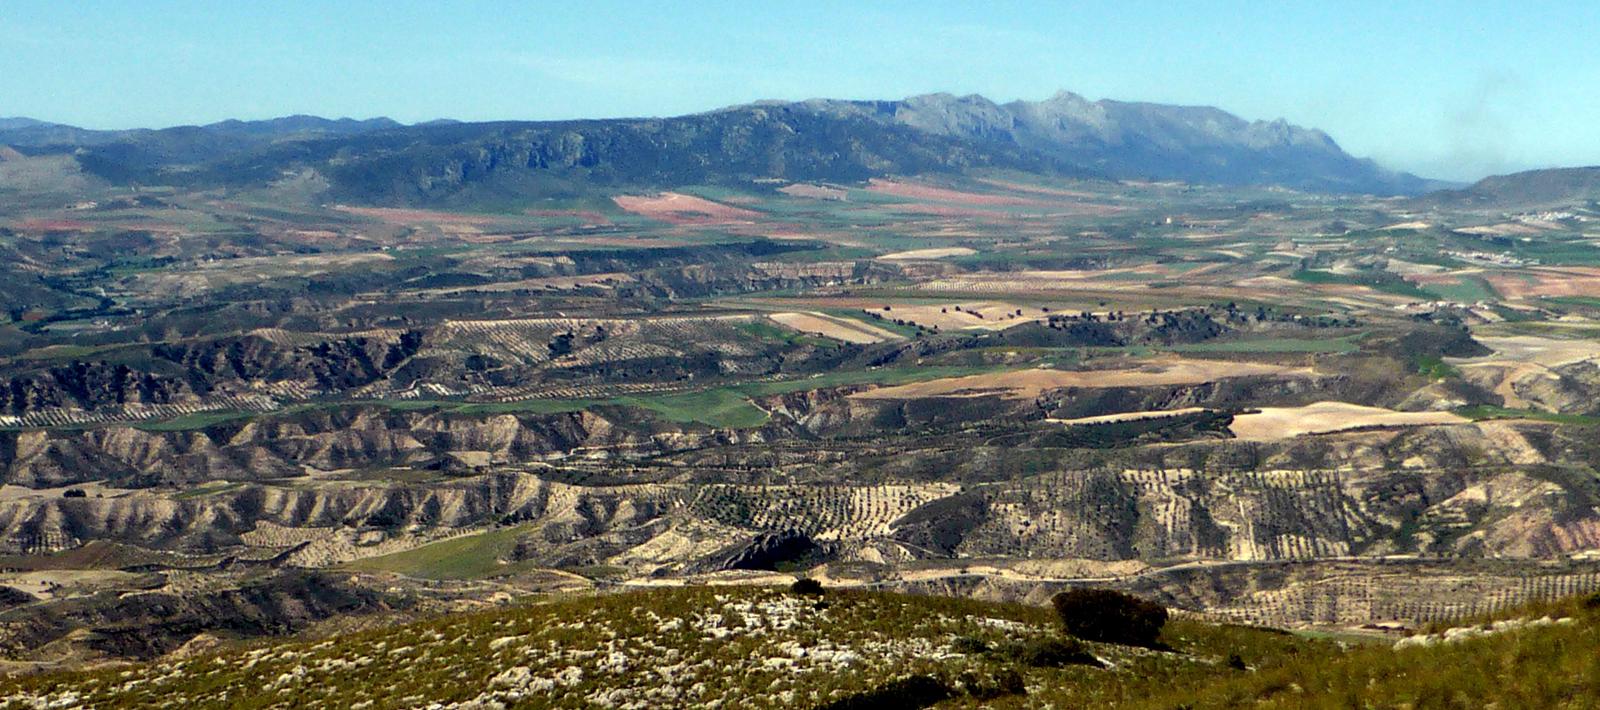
(20, 131)
(1146, 140)
(382, 161)
(1551, 187)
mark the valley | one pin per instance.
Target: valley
(242, 405)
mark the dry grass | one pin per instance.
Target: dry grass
(837, 328)
(1285, 422)
(677, 208)
(1023, 384)
(987, 315)
(1129, 416)
(915, 254)
(1550, 352)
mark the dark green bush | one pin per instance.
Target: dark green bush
(1110, 616)
(969, 645)
(918, 691)
(991, 683)
(1049, 653)
(806, 585)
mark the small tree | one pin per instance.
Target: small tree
(806, 585)
(1110, 616)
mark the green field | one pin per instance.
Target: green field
(1485, 411)
(473, 556)
(1466, 289)
(1344, 344)
(1379, 281)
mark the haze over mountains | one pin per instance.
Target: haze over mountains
(382, 161)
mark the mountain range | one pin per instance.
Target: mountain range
(384, 162)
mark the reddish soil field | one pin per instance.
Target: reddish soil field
(1548, 281)
(53, 225)
(675, 208)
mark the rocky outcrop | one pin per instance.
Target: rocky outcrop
(776, 551)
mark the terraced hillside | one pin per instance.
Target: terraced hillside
(275, 409)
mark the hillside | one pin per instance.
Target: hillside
(1556, 187)
(1134, 140)
(754, 647)
(381, 162)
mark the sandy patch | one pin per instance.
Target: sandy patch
(1134, 278)
(1023, 384)
(1409, 268)
(987, 315)
(53, 584)
(914, 254)
(1503, 229)
(837, 328)
(1129, 416)
(683, 209)
(1407, 225)
(1549, 352)
(1322, 417)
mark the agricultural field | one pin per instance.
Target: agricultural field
(283, 417)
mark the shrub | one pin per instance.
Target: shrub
(806, 585)
(918, 691)
(989, 684)
(1049, 653)
(969, 645)
(1110, 616)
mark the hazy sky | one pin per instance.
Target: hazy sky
(1445, 89)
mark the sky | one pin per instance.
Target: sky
(1451, 90)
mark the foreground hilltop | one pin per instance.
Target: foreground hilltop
(762, 647)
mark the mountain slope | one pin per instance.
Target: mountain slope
(454, 163)
(382, 162)
(1556, 187)
(1145, 140)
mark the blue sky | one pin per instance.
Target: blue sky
(1445, 89)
